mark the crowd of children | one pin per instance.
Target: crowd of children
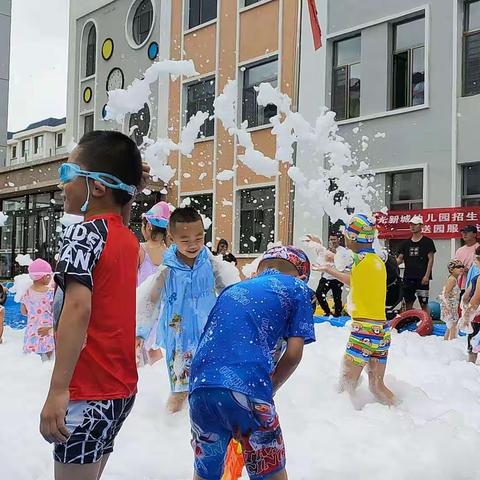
(229, 345)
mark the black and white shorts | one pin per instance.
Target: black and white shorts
(93, 426)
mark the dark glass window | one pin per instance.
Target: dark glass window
(142, 21)
(471, 185)
(59, 139)
(90, 65)
(25, 148)
(409, 63)
(139, 124)
(88, 123)
(253, 76)
(200, 98)
(257, 219)
(204, 205)
(471, 48)
(251, 2)
(14, 152)
(38, 144)
(201, 11)
(347, 78)
(406, 190)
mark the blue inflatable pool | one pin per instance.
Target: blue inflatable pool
(13, 317)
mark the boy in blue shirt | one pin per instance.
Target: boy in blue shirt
(234, 374)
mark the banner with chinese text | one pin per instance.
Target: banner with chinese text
(437, 222)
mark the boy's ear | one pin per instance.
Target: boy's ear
(98, 189)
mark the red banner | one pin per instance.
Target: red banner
(437, 222)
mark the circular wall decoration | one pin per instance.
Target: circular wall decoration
(87, 95)
(139, 125)
(104, 111)
(153, 51)
(107, 49)
(115, 79)
(140, 22)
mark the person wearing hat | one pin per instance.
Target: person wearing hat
(417, 254)
(369, 341)
(154, 231)
(466, 253)
(450, 299)
(235, 373)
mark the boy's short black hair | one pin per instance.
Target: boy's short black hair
(184, 215)
(114, 153)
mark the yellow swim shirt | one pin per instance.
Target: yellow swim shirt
(368, 287)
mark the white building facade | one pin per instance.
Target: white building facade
(5, 22)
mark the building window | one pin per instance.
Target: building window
(406, 190)
(88, 123)
(250, 2)
(25, 148)
(59, 140)
(471, 48)
(38, 144)
(204, 205)
(409, 63)
(257, 219)
(200, 98)
(14, 151)
(347, 77)
(90, 64)
(253, 76)
(471, 185)
(139, 124)
(201, 11)
(142, 21)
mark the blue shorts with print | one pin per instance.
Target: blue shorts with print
(217, 415)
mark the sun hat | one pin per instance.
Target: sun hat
(297, 257)
(158, 215)
(39, 268)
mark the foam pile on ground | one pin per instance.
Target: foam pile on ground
(433, 433)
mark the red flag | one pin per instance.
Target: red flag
(316, 31)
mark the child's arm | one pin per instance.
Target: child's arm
(341, 276)
(71, 332)
(2, 320)
(449, 285)
(23, 309)
(288, 362)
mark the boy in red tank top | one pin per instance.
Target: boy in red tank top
(94, 380)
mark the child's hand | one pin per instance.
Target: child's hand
(52, 418)
(145, 176)
(324, 268)
(311, 238)
(44, 331)
(139, 342)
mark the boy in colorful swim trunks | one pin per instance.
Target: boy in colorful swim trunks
(369, 341)
(234, 373)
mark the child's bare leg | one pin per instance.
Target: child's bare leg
(103, 464)
(350, 375)
(90, 471)
(376, 374)
(176, 401)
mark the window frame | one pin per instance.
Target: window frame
(201, 21)
(25, 148)
(88, 115)
(14, 152)
(410, 204)
(136, 19)
(90, 65)
(466, 34)
(240, 248)
(466, 199)
(204, 131)
(410, 57)
(257, 108)
(37, 144)
(347, 67)
(59, 136)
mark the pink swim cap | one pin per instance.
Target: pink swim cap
(39, 268)
(158, 215)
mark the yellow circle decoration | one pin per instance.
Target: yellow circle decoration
(87, 95)
(107, 49)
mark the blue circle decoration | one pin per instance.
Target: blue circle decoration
(104, 111)
(153, 50)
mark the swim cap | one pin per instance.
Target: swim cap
(39, 268)
(158, 215)
(298, 258)
(361, 229)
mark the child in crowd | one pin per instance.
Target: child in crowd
(450, 299)
(182, 294)
(369, 341)
(154, 231)
(3, 299)
(94, 379)
(36, 304)
(234, 371)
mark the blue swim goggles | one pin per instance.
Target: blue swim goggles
(70, 171)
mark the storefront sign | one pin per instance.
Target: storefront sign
(437, 222)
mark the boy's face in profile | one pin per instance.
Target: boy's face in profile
(188, 237)
(75, 192)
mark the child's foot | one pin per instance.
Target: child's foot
(176, 401)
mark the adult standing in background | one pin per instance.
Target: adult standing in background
(328, 282)
(418, 255)
(466, 253)
(222, 249)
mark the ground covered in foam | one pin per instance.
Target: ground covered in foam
(433, 433)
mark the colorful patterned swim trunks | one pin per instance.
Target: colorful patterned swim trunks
(368, 340)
